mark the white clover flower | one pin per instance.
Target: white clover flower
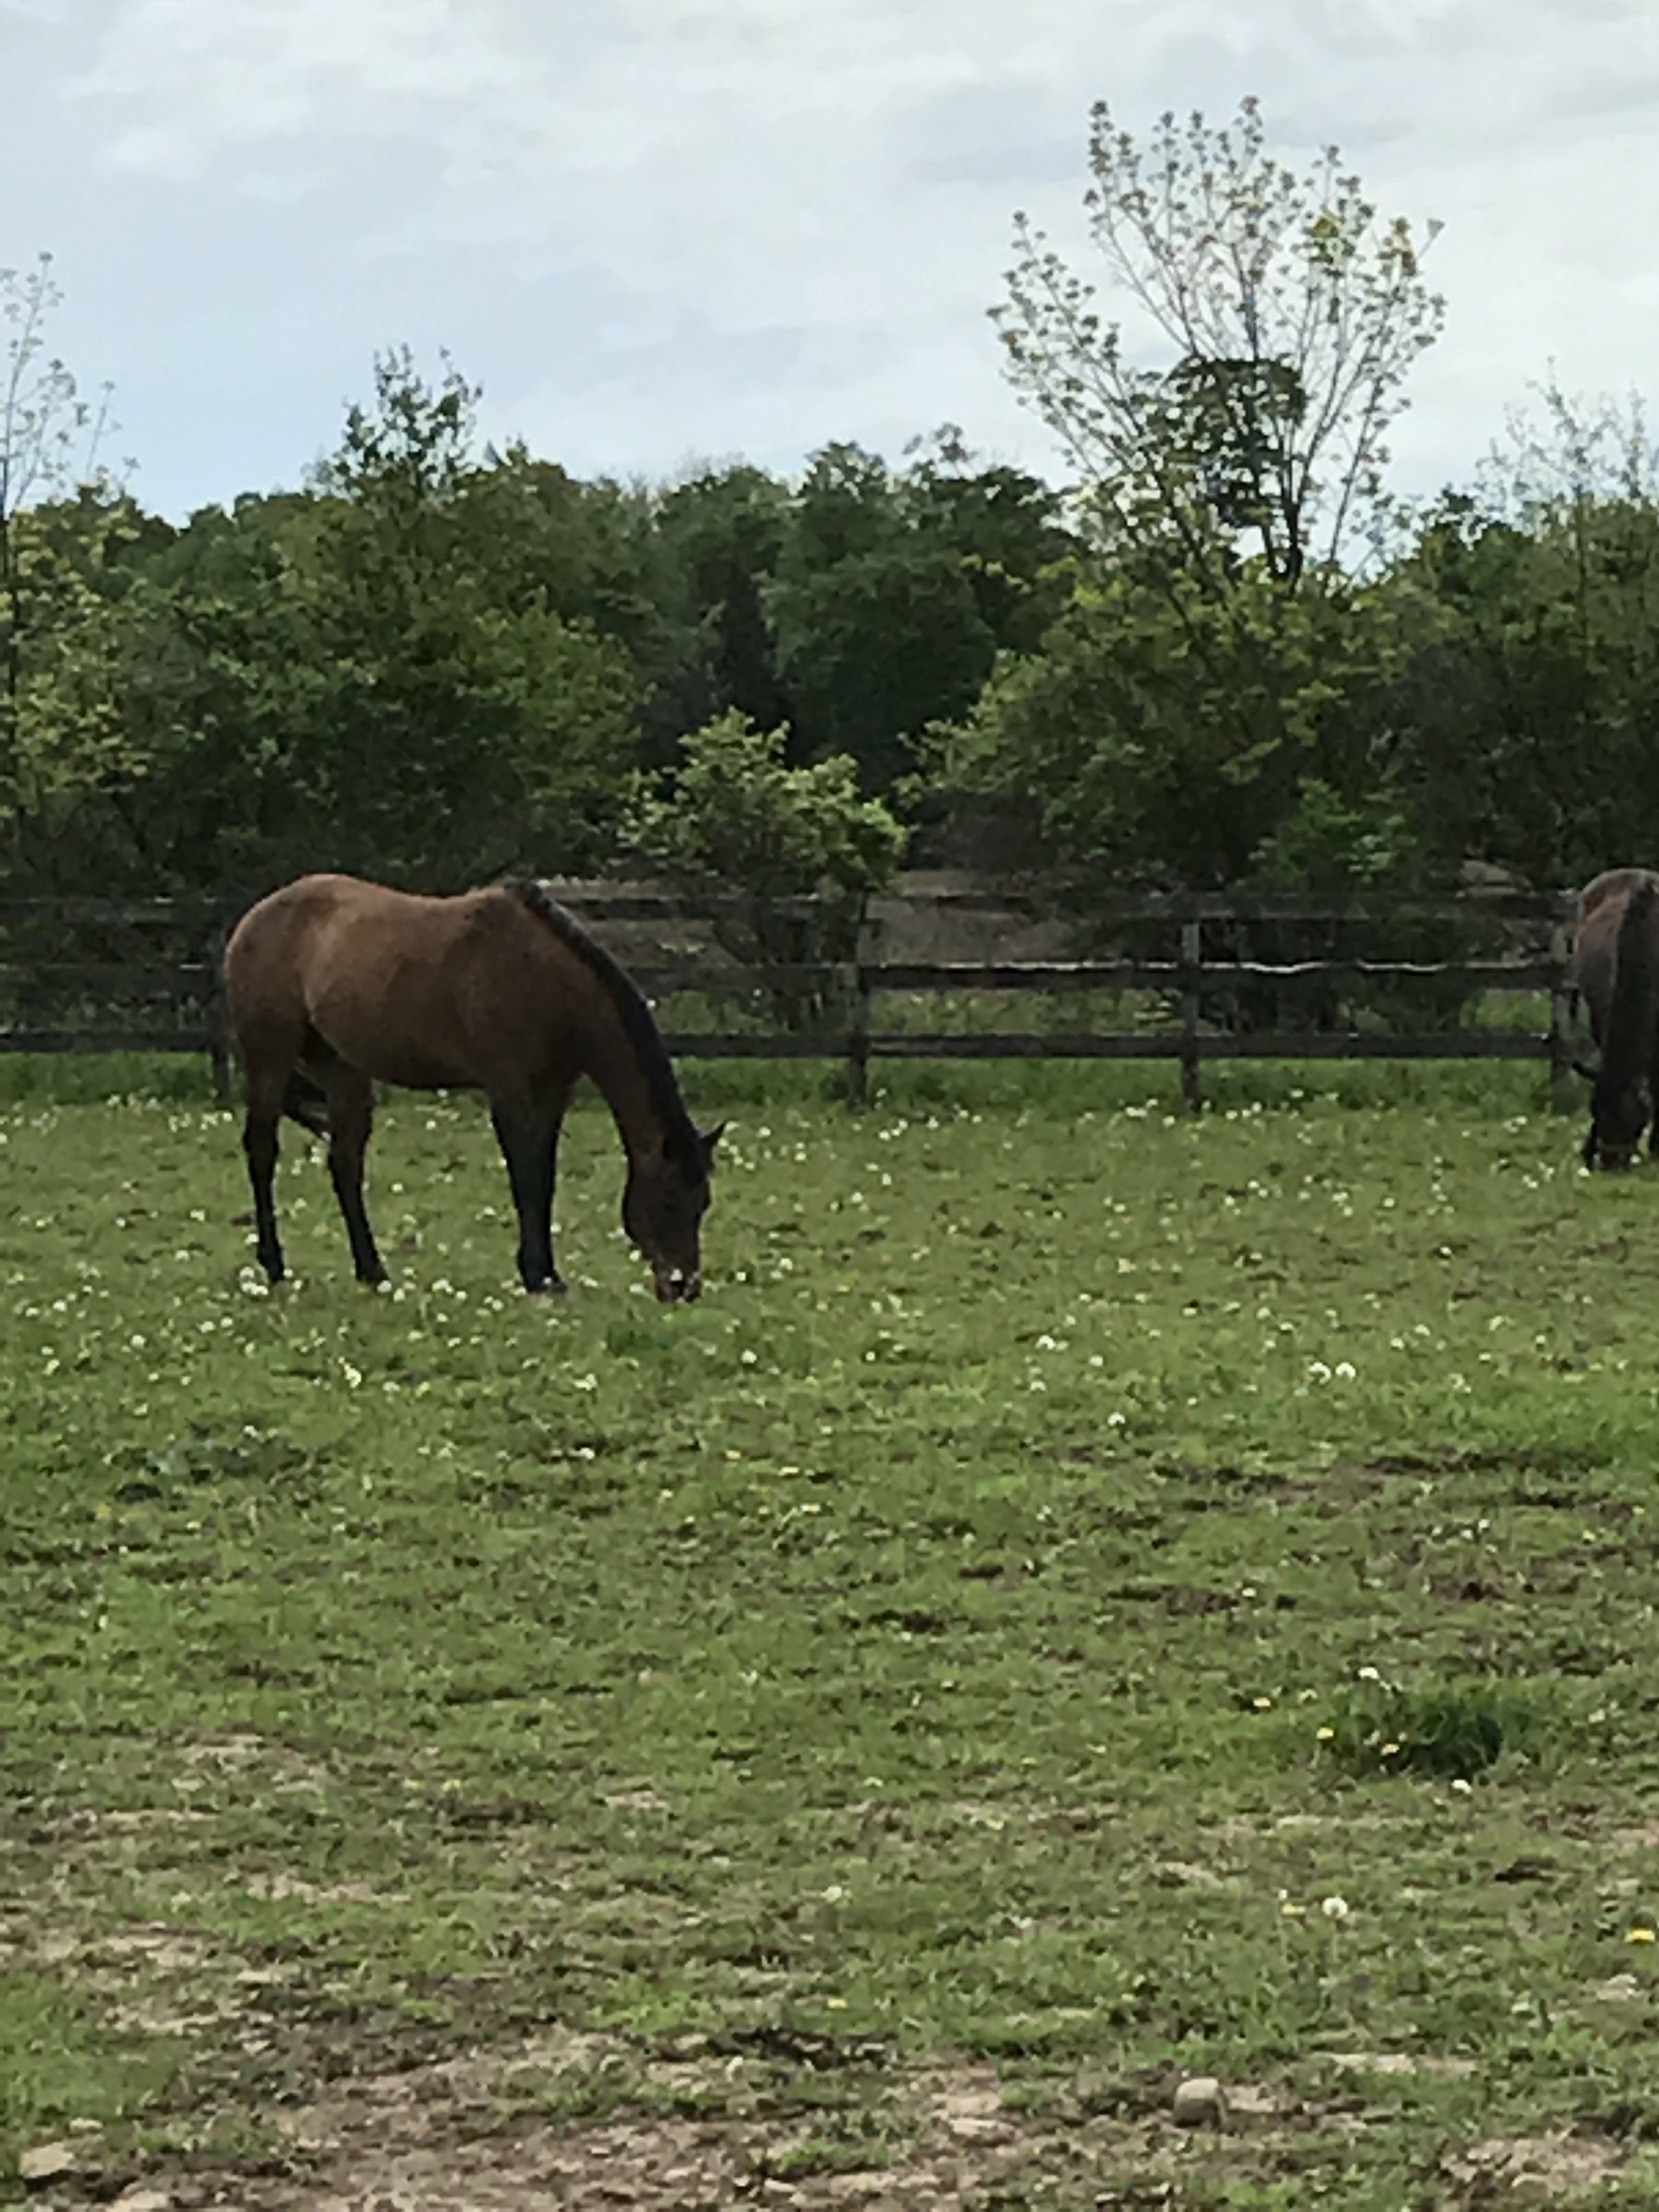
(1334, 1908)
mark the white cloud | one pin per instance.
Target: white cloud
(652, 229)
(224, 73)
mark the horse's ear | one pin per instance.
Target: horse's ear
(710, 1138)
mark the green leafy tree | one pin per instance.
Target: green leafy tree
(222, 689)
(1008, 528)
(720, 535)
(1175, 740)
(791, 852)
(874, 624)
(1532, 718)
(342, 677)
(537, 536)
(894, 592)
(462, 720)
(74, 751)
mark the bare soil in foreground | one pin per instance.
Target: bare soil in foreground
(432, 2139)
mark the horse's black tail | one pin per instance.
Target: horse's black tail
(1621, 1104)
(305, 1101)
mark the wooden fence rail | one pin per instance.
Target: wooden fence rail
(1190, 1043)
(167, 995)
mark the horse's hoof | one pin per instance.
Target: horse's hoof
(551, 1286)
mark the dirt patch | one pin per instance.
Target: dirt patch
(1536, 2165)
(437, 2139)
(693, 2134)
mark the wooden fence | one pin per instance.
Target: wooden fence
(90, 975)
(83, 974)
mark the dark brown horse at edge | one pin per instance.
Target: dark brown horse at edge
(1615, 968)
(334, 984)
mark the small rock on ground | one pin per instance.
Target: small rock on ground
(45, 2161)
(1198, 2103)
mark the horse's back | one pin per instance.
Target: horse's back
(417, 990)
(286, 947)
(1612, 884)
(1602, 906)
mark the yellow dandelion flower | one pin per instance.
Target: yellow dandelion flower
(1640, 1935)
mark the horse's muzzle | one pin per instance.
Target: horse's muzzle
(1614, 1159)
(676, 1287)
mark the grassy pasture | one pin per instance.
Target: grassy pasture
(1087, 1596)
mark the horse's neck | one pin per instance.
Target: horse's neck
(613, 1066)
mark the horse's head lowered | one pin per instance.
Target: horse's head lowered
(1618, 1117)
(663, 1207)
(1622, 1105)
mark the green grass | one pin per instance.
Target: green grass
(1087, 1590)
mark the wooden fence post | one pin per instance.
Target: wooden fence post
(1563, 1091)
(1192, 951)
(865, 951)
(858, 1040)
(219, 1016)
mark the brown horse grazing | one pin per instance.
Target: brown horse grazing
(1616, 967)
(333, 984)
(1601, 909)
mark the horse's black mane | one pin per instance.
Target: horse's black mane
(639, 1023)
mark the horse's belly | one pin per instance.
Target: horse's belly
(411, 1071)
(427, 1056)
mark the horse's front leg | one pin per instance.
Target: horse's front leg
(350, 1118)
(530, 1144)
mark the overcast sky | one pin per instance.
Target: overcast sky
(658, 232)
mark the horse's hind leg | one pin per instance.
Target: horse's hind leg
(529, 1141)
(350, 1117)
(265, 1112)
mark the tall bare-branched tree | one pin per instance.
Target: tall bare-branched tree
(49, 442)
(1291, 314)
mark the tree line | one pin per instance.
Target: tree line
(1220, 653)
